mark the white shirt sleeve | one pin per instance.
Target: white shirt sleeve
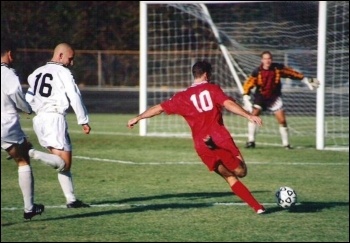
(15, 93)
(75, 98)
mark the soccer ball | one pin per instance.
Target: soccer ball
(286, 197)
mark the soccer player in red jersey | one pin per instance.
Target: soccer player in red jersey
(201, 106)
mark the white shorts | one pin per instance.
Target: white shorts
(5, 145)
(11, 131)
(52, 131)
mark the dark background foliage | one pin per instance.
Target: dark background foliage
(88, 25)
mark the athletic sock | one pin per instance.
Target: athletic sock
(284, 136)
(26, 183)
(242, 191)
(251, 131)
(52, 160)
(66, 182)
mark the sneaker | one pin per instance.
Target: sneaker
(77, 204)
(250, 145)
(261, 210)
(37, 209)
(288, 147)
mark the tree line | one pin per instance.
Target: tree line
(87, 25)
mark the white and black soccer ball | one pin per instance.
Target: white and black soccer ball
(286, 197)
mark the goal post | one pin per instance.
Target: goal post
(310, 36)
(321, 65)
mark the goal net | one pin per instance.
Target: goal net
(231, 35)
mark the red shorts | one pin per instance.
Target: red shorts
(226, 153)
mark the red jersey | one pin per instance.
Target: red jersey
(201, 105)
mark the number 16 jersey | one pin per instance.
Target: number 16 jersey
(52, 89)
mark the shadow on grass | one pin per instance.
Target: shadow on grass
(135, 208)
(313, 207)
(187, 196)
(308, 207)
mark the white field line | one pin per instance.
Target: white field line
(200, 163)
(340, 149)
(196, 163)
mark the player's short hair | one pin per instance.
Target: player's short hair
(201, 67)
(266, 52)
(7, 45)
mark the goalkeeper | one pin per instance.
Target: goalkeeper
(267, 96)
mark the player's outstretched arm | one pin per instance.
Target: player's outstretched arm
(237, 109)
(150, 112)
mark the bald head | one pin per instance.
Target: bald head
(64, 54)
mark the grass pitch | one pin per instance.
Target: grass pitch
(153, 189)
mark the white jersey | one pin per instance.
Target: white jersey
(52, 89)
(12, 98)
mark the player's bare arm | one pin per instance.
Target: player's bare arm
(153, 111)
(237, 109)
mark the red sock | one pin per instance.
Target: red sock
(242, 191)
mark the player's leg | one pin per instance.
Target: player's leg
(49, 159)
(226, 160)
(277, 108)
(65, 177)
(52, 132)
(237, 187)
(45, 126)
(231, 167)
(19, 152)
(252, 129)
(25, 175)
(281, 119)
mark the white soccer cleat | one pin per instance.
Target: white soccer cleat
(261, 211)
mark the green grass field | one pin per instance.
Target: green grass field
(154, 189)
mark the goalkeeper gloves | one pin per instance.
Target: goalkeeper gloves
(311, 82)
(247, 104)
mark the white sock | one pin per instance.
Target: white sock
(52, 160)
(66, 181)
(26, 183)
(284, 136)
(251, 131)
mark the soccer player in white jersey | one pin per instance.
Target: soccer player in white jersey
(13, 139)
(52, 89)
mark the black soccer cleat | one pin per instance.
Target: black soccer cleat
(288, 147)
(77, 204)
(38, 209)
(250, 145)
